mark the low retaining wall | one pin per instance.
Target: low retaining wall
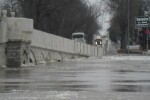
(48, 47)
(21, 45)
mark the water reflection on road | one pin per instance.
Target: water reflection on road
(86, 79)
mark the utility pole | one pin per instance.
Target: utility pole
(128, 35)
(147, 33)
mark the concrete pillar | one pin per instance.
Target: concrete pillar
(4, 13)
(19, 31)
(12, 14)
(3, 27)
(3, 32)
(3, 38)
(17, 53)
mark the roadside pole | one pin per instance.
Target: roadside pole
(128, 36)
(147, 13)
(148, 39)
(147, 42)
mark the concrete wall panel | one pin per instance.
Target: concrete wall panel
(100, 52)
(2, 54)
(82, 51)
(96, 54)
(3, 32)
(45, 46)
(56, 43)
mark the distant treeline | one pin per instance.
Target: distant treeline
(59, 17)
(122, 24)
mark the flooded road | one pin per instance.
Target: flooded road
(109, 78)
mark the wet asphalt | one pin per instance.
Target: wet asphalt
(120, 77)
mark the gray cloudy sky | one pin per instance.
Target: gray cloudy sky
(104, 18)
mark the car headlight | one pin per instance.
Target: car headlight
(96, 43)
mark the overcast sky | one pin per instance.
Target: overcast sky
(104, 19)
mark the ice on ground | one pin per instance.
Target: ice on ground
(126, 57)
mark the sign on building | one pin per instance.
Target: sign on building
(142, 21)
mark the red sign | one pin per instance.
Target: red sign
(147, 31)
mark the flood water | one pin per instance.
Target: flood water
(109, 78)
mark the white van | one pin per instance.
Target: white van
(79, 36)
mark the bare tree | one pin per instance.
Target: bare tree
(61, 17)
(12, 5)
(119, 11)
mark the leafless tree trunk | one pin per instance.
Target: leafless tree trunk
(119, 10)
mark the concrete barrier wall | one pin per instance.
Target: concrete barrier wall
(2, 54)
(16, 34)
(55, 43)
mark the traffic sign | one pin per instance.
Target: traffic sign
(142, 21)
